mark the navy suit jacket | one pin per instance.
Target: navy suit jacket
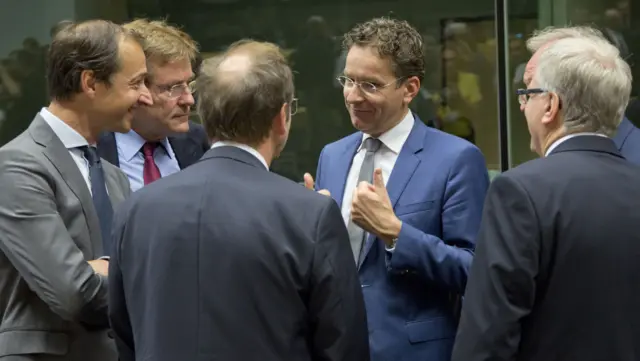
(628, 141)
(188, 147)
(437, 188)
(227, 261)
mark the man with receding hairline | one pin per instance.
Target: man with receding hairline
(226, 260)
(627, 137)
(57, 199)
(555, 271)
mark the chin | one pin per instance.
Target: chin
(180, 125)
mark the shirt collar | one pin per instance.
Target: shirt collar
(555, 144)
(395, 137)
(246, 148)
(130, 144)
(69, 137)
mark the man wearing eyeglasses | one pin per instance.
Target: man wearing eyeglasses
(555, 276)
(411, 197)
(162, 140)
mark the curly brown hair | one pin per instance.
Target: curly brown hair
(392, 38)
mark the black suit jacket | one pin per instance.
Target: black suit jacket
(557, 265)
(188, 147)
(228, 261)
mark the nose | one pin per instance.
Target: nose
(353, 94)
(186, 99)
(145, 96)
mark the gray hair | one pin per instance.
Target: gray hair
(550, 34)
(591, 79)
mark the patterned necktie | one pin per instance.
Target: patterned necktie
(371, 145)
(150, 172)
(101, 200)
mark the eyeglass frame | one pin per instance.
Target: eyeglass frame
(343, 80)
(525, 94)
(293, 106)
(186, 88)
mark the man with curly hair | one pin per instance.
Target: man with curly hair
(411, 196)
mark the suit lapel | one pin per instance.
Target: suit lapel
(108, 149)
(341, 168)
(181, 148)
(403, 170)
(59, 156)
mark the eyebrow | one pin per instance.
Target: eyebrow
(139, 77)
(365, 79)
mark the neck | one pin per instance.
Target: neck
(145, 134)
(76, 118)
(391, 125)
(267, 151)
(552, 138)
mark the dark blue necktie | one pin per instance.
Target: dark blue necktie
(101, 200)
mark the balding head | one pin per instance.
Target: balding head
(240, 91)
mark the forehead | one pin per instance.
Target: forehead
(364, 63)
(132, 60)
(178, 71)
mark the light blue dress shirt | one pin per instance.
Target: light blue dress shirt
(132, 160)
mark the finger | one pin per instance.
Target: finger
(378, 181)
(308, 181)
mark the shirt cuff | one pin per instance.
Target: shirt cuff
(105, 258)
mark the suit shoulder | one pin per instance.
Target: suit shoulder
(452, 142)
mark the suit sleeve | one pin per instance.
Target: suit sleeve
(501, 287)
(118, 312)
(36, 241)
(336, 306)
(447, 261)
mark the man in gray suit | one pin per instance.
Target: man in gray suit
(57, 199)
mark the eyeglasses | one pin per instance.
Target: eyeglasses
(293, 106)
(525, 94)
(179, 90)
(365, 86)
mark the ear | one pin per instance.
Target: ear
(88, 82)
(281, 120)
(552, 112)
(411, 89)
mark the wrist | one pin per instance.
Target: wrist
(390, 236)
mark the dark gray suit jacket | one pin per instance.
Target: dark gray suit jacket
(52, 305)
(555, 274)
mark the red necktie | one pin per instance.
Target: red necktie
(150, 171)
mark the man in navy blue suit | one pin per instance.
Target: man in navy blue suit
(162, 140)
(411, 197)
(225, 260)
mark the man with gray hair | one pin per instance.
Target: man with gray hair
(627, 137)
(555, 271)
(226, 260)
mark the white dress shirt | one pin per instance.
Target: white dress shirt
(555, 144)
(246, 148)
(71, 140)
(385, 159)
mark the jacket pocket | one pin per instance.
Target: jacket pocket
(429, 330)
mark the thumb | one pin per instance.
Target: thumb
(378, 181)
(308, 181)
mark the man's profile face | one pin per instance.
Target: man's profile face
(117, 101)
(172, 100)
